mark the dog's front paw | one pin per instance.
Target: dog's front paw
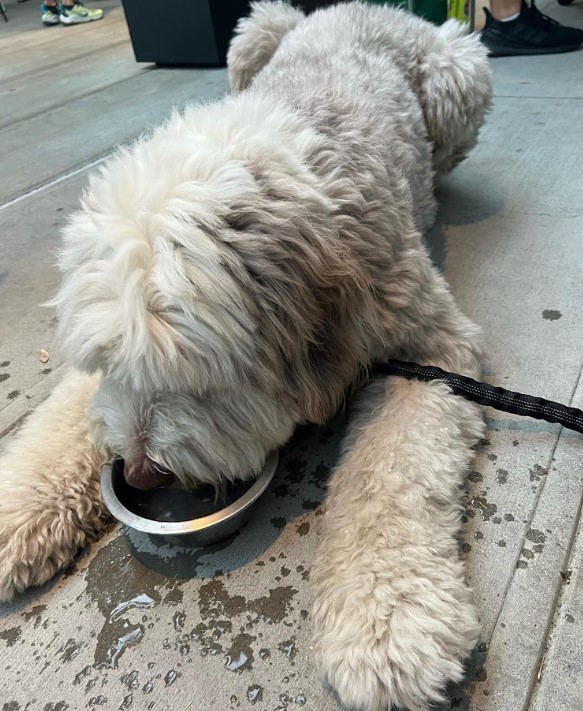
(42, 529)
(50, 496)
(393, 638)
(29, 548)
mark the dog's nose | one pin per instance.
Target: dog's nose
(146, 475)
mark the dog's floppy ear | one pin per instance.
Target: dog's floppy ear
(143, 295)
(455, 92)
(111, 313)
(86, 301)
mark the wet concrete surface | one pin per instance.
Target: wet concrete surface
(135, 624)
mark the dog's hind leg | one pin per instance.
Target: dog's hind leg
(393, 616)
(256, 39)
(50, 500)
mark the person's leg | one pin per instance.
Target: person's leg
(505, 9)
(513, 28)
(50, 13)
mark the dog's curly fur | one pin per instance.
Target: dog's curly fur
(227, 278)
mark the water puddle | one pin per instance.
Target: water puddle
(142, 602)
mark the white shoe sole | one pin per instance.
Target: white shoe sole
(78, 20)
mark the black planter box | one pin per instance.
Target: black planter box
(187, 32)
(310, 5)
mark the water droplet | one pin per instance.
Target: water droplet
(179, 619)
(170, 678)
(254, 693)
(234, 664)
(116, 649)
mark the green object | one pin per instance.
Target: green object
(460, 10)
(432, 10)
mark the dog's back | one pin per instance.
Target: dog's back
(383, 68)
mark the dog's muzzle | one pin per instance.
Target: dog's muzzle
(145, 476)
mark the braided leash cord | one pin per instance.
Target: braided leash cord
(484, 394)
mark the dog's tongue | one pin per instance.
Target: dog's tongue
(145, 478)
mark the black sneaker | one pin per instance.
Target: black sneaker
(530, 33)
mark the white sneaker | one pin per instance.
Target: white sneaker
(50, 15)
(78, 13)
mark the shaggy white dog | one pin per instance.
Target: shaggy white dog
(226, 279)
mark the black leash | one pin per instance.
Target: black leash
(484, 394)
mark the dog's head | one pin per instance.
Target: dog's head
(197, 282)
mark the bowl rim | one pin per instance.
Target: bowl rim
(180, 528)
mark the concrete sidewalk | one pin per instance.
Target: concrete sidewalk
(134, 626)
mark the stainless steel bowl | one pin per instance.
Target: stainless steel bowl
(179, 515)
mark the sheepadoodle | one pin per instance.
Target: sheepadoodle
(229, 276)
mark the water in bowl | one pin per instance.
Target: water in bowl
(174, 503)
